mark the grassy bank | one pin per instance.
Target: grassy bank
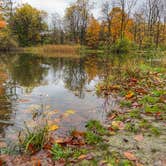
(54, 50)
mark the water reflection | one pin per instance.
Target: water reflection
(60, 83)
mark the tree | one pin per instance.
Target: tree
(57, 35)
(93, 30)
(28, 24)
(76, 17)
(126, 8)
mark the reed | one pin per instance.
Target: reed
(55, 50)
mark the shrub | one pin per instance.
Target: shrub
(7, 41)
(121, 46)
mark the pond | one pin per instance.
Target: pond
(30, 84)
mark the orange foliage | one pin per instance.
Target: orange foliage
(116, 15)
(93, 33)
(2, 24)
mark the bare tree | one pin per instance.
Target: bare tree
(57, 28)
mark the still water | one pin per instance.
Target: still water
(29, 82)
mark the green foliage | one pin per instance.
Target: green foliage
(149, 99)
(28, 24)
(92, 138)
(125, 103)
(135, 114)
(7, 41)
(155, 131)
(121, 46)
(34, 140)
(96, 127)
(131, 127)
(59, 153)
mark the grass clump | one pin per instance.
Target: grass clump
(96, 127)
(135, 114)
(155, 131)
(59, 153)
(149, 99)
(34, 140)
(132, 127)
(125, 103)
(92, 138)
(121, 46)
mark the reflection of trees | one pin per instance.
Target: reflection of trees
(75, 77)
(27, 71)
(72, 72)
(5, 104)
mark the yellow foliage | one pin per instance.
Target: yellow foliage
(93, 31)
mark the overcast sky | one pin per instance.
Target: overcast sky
(59, 6)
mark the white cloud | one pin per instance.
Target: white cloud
(50, 6)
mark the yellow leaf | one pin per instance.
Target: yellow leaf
(53, 128)
(129, 95)
(51, 113)
(70, 112)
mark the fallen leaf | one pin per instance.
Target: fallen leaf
(77, 134)
(118, 124)
(70, 112)
(59, 141)
(111, 117)
(129, 95)
(139, 137)
(130, 156)
(82, 157)
(53, 127)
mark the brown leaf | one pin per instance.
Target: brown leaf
(82, 157)
(130, 156)
(77, 134)
(111, 117)
(139, 137)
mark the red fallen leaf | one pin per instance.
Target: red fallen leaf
(31, 149)
(130, 156)
(141, 91)
(139, 137)
(1, 162)
(133, 80)
(111, 129)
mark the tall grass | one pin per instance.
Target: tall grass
(55, 50)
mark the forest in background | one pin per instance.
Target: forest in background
(122, 23)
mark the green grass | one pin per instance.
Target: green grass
(59, 153)
(125, 103)
(34, 140)
(96, 127)
(135, 114)
(149, 99)
(92, 138)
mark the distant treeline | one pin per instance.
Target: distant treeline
(120, 24)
